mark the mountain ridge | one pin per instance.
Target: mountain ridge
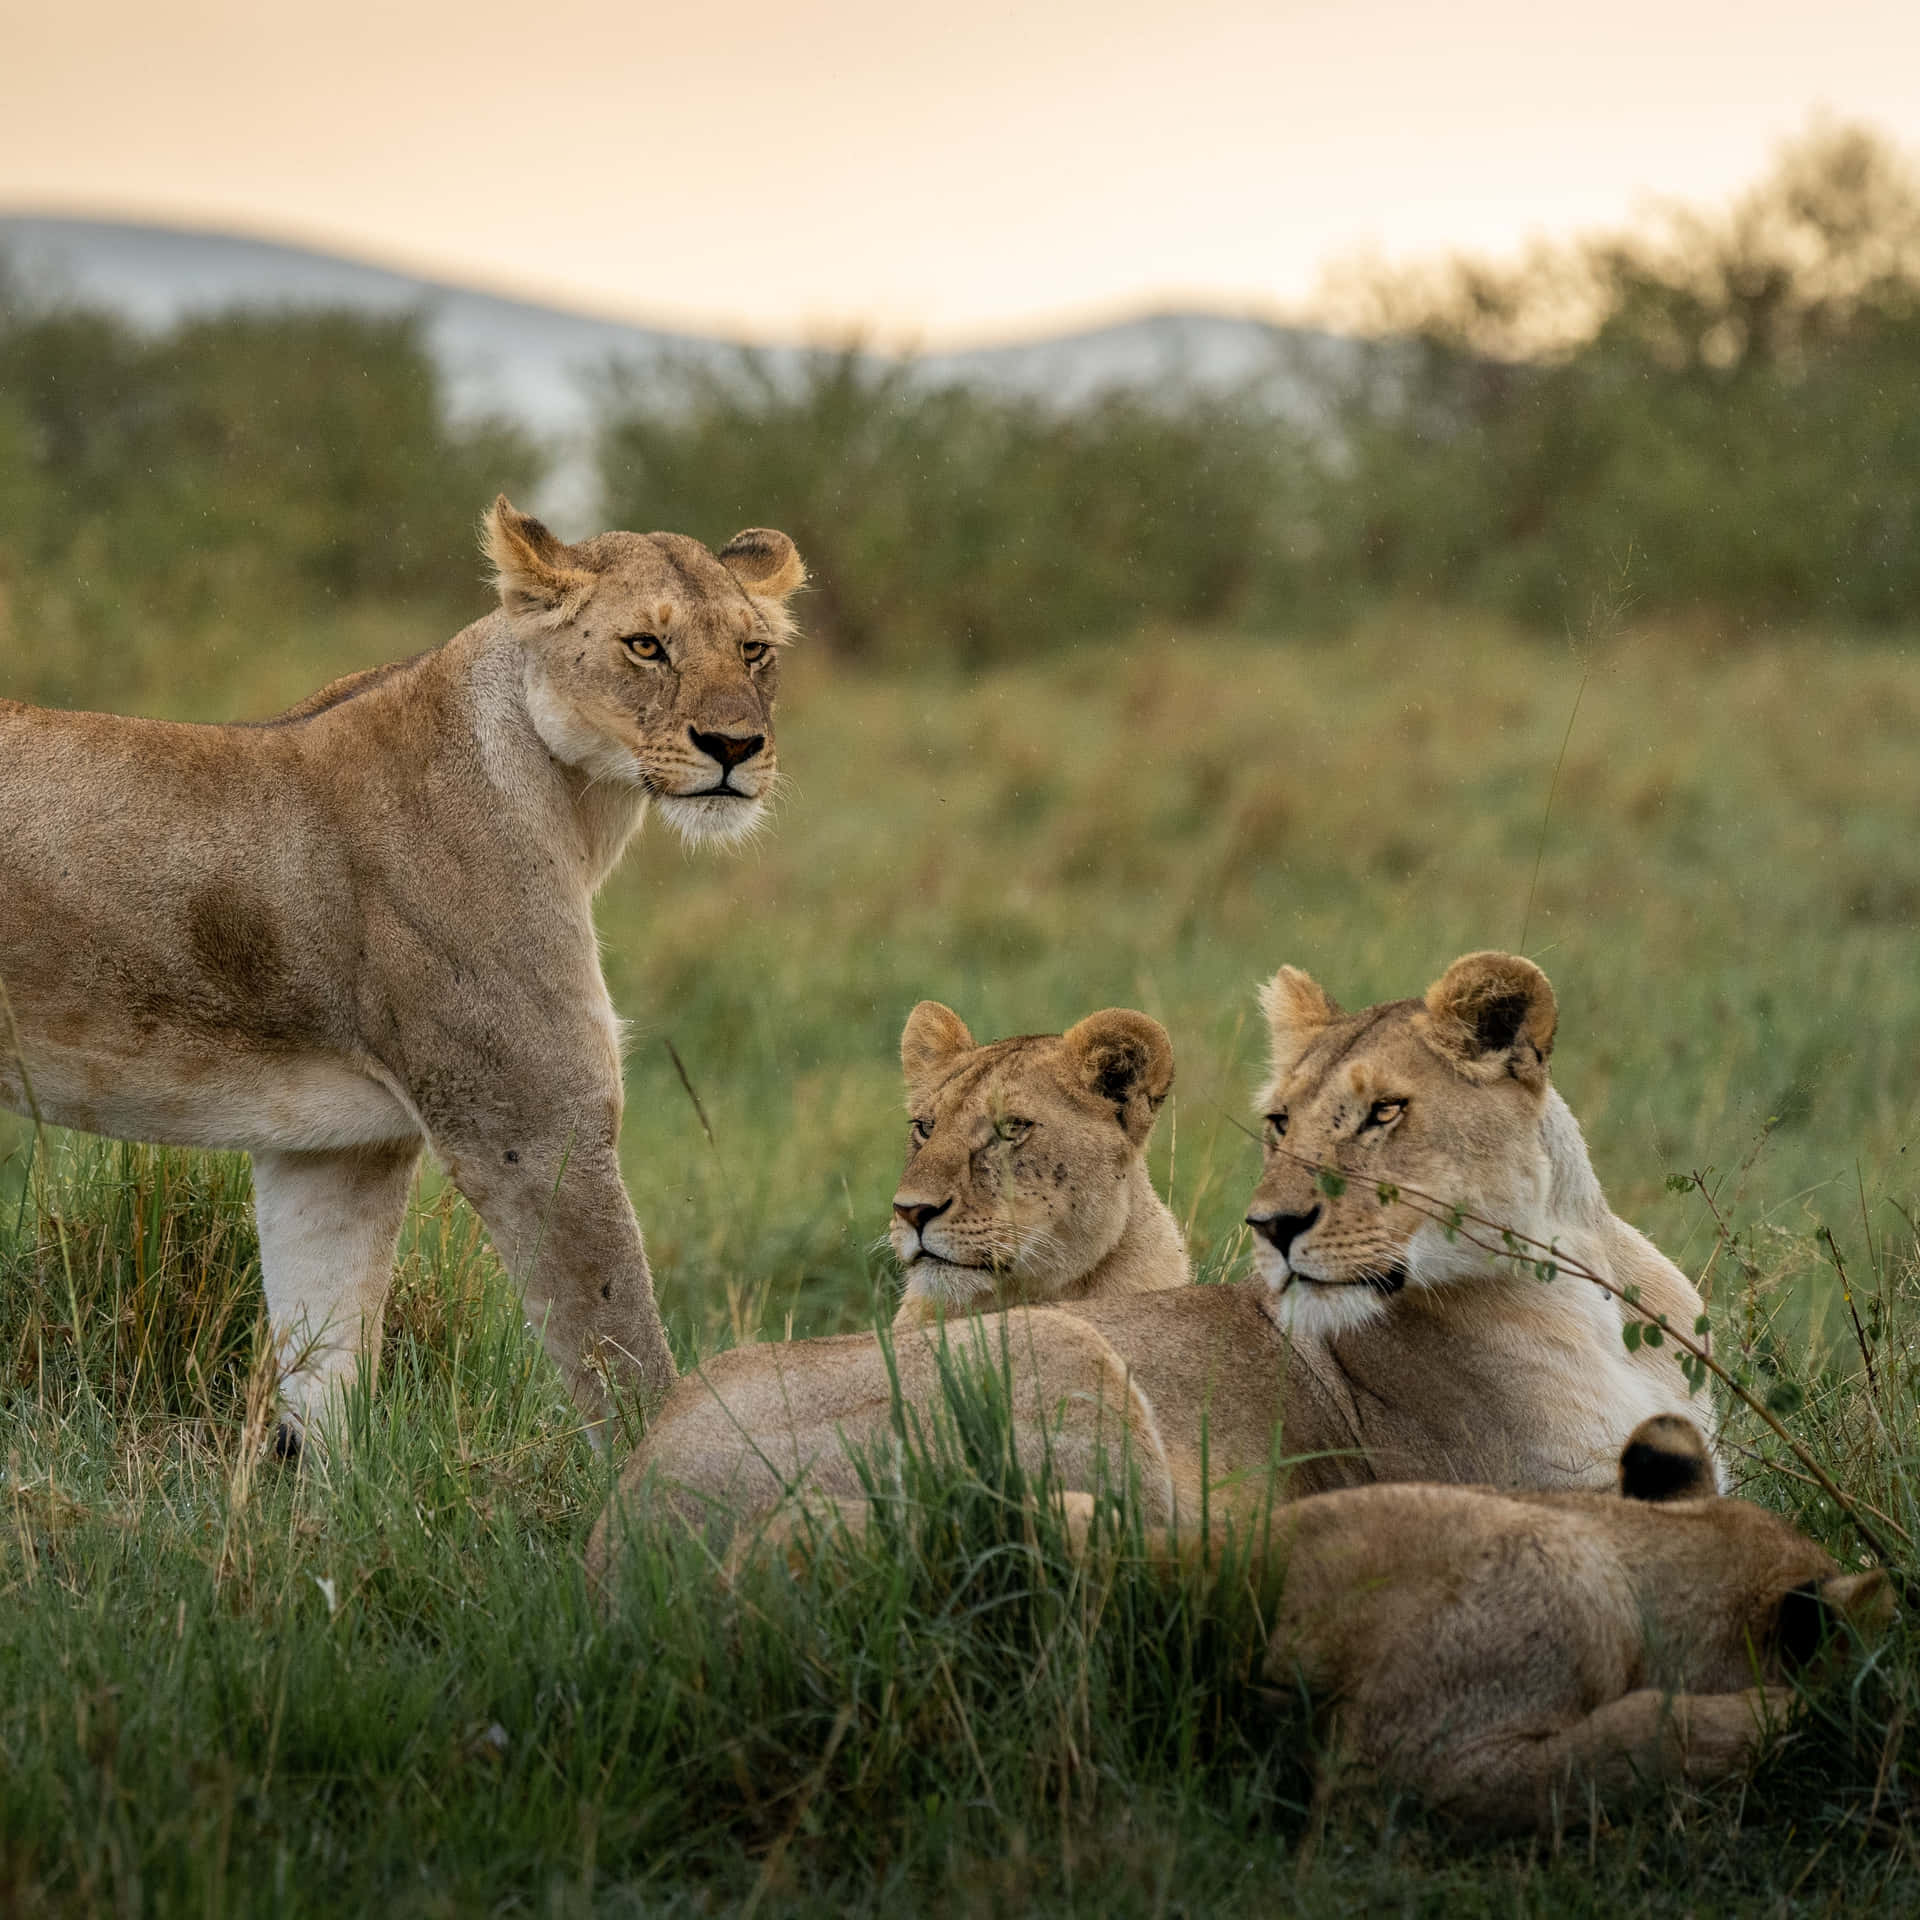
(536, 363)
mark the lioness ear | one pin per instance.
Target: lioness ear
(1126, 1059)
(1865, 1601)
(535, 573)
(932, 1036)
(1493, 1014)
(1665, 1459)
(1297, 1007)
(764, 562)
(1810, 1611)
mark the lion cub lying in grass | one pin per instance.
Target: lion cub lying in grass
(1026, 1180)
(1376, 1344)
(1519, 1659)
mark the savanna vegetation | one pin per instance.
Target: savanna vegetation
(1725, 406)
(226, 1687)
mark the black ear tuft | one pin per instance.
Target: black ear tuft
(1117, 1069)
(1497, 1020)
(1665, 1459)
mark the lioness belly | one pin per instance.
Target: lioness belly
(178, 1097)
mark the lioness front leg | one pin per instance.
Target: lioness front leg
(328, 1224)
(558, 1212)
(1644, 1738)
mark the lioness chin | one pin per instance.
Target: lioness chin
(366, 926)
(1462, 1364)
(1026, 1179)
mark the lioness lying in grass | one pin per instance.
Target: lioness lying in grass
(1519, 1659)
(1435, 1352)
(1514, 1659)
(1026, 1180)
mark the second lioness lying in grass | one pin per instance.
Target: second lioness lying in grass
(1378, 1342)
(1515, 1660)
(1521, 1660)
(1026, 1180)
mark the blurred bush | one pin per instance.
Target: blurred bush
(1725, 408)
(1723, 413)
(1719, 413)
(239, 468)
(949, 517)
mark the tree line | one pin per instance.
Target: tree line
(1718, 411)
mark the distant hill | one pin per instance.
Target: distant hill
(536, 363)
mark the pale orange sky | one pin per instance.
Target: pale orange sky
(939, 173)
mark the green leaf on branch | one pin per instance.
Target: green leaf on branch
(1332, 1184)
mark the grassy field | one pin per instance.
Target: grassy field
(226, 1688)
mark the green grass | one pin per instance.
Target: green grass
(227, 1688)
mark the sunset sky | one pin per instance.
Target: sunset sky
(934, 173)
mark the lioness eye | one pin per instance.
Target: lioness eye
(754, 651)
(922, 1131)
(1012, 1130)
(1277, 1123)
(1383, 1113)
(646, 645)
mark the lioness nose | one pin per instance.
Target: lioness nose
(1282, 1229)
(918, 1213)
(730, 749)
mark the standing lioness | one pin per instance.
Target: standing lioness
(367, 925)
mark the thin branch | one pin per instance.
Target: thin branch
(699, 1112)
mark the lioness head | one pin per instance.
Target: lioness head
(1026, 1179)
(651, 661)
(1443, 1095)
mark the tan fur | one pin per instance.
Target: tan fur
(1478, 1374)
(1516, 1660)
(367, 925)
(1449, 1097)
(1519, 1660)
(1026, 1179)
